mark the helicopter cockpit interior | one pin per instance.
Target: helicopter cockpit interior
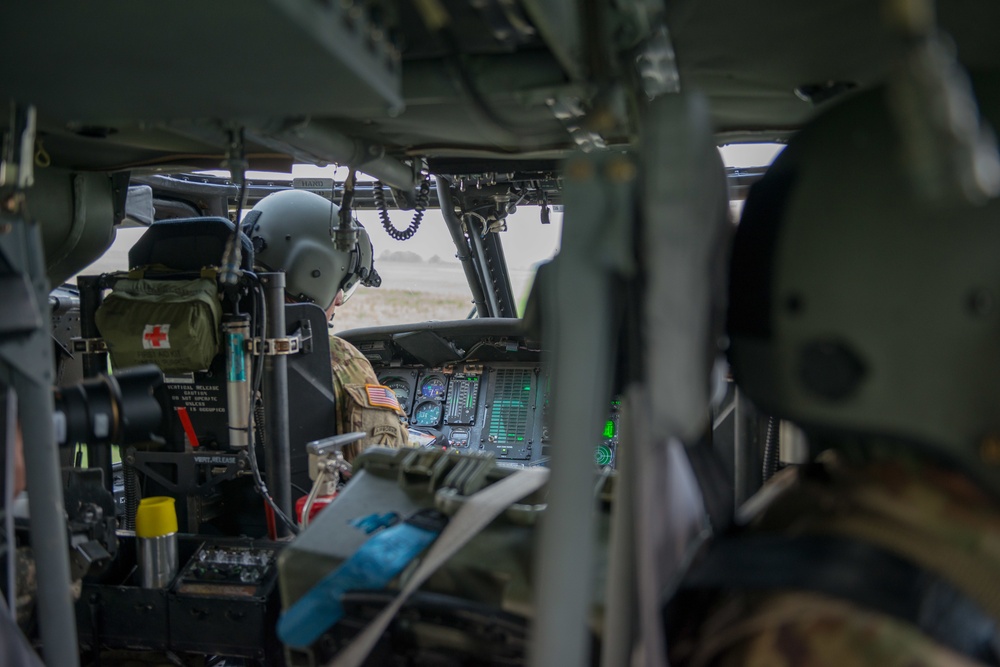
(574, 448)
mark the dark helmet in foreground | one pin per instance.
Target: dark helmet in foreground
(857, 307)
(290, 230)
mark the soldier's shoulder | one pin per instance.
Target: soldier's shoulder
(343, 351)
(350, 366)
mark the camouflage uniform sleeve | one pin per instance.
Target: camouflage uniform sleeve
(932, 516)
(794, 629)
(362, 404)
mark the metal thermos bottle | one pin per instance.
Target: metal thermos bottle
(156, 535)
(236, 332)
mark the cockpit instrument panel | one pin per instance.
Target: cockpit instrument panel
(498, 407)
(476, 385)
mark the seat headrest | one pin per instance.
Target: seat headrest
(187, 244)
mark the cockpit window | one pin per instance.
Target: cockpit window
(750, 155)
(747, 158)
(422, 279)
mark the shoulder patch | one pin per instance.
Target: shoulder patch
(380, 396)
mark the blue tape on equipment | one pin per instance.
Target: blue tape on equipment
(372, 567)
(236, 360)
(374, 522)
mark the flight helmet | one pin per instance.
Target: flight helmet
(860, 308)
(290, 230)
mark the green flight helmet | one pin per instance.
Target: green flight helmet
(290, 230)
(861, 310)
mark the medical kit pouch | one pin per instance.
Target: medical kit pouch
(174, 324)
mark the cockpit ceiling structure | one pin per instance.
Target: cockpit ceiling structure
(121, 85)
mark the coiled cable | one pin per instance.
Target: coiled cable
(771, 449)
(423, 196)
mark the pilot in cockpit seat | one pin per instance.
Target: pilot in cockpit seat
(290, 231)
(869, 315)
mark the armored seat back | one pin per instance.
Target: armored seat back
(187, 244)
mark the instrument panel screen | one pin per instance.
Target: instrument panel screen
(509, 422)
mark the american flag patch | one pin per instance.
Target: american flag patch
(381, 396)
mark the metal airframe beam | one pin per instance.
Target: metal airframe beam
(461, 246)
(26, 364)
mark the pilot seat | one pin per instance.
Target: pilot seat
(171, 309)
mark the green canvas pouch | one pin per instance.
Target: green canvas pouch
(171, 323)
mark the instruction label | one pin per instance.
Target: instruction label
(202, 400)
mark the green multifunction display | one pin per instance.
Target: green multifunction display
(607, 451)
(511, 414)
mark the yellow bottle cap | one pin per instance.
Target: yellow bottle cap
(155, 517)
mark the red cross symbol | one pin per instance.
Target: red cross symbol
(155, 337)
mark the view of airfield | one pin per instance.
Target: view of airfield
(421, 277)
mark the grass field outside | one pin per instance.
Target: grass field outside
(377, 307)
